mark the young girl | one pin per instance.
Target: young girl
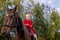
(29, 24)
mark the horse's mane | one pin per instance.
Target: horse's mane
(20, 21)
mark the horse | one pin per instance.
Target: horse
(14, 21)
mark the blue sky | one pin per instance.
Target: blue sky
(56, 3)
(52, 3)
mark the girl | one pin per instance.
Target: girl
(29, 24)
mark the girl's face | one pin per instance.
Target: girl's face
(27, 16)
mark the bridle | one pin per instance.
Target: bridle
(13, 24)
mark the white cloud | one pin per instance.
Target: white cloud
(50, 2)
(58, 10)
(46, 2)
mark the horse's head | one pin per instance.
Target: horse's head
(6, 25)
(8, 20)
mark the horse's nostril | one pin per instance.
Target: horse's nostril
(3, 33)
(11, 17)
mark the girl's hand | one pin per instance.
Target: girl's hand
(35, 36)
(27, 24)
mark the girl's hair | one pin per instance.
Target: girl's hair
(28, 13)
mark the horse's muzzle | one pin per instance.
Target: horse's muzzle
(4, 34)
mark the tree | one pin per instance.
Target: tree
(54, 24)
(40, 23)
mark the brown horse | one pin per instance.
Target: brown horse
(13, 21)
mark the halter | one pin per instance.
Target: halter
(13, 19)
(14, 23)
(7, 25)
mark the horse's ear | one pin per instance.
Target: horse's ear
(15, 8)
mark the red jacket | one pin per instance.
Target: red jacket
(29, 25)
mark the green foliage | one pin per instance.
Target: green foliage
(54, 24)
(45, 30)
(40, 23)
